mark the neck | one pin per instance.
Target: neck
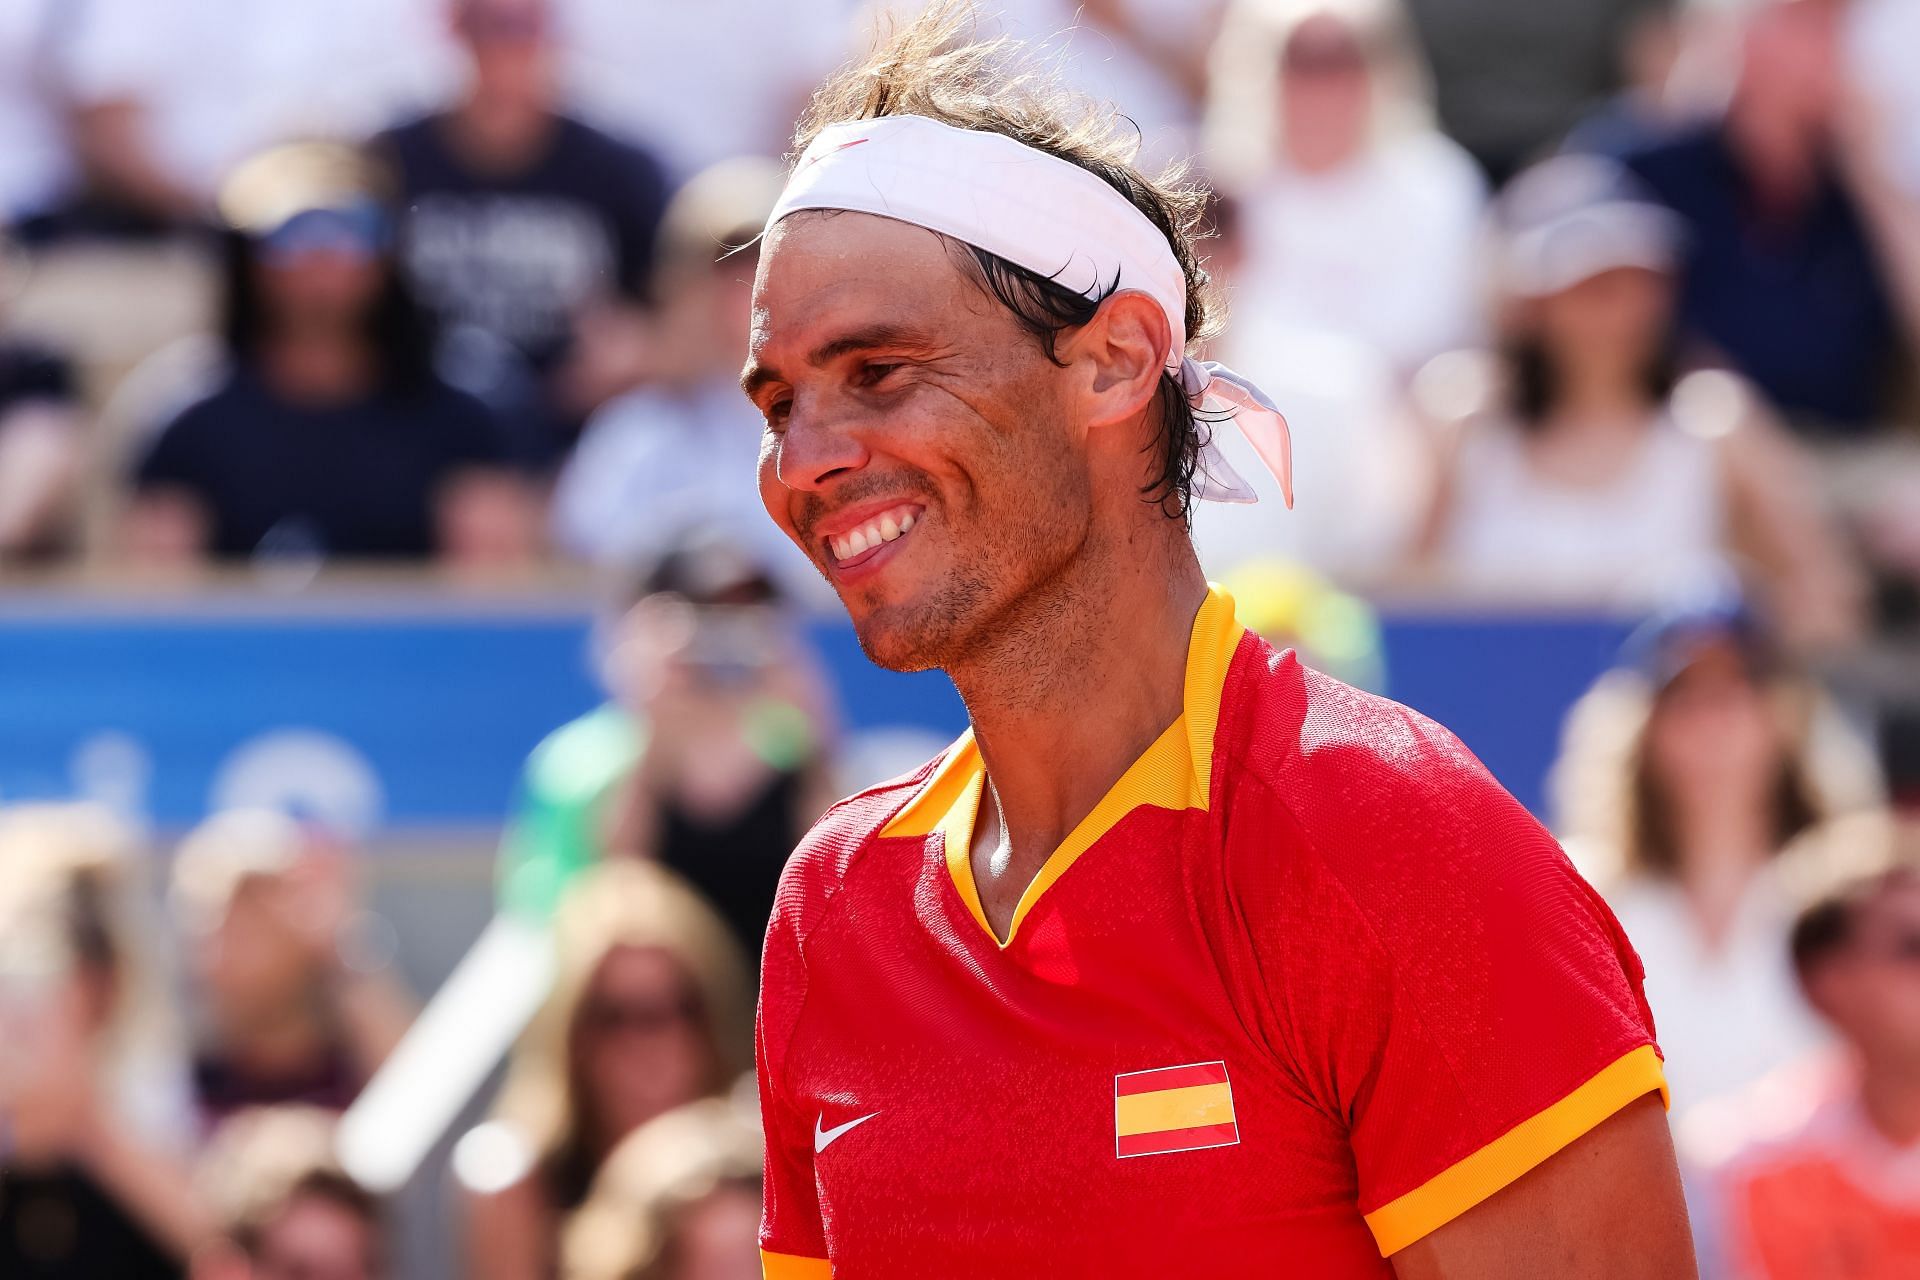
(321, 364)
(1890, 1096)
(1723, 841)
(1593, 392)
(500, 133)
(1082, 681)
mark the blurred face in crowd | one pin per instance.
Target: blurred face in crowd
(1326, 94)
(323, 269)
(1620, 317)
(641, 1043)
(920, 446)
(1870, 988)
(1712, 730)
(719, 1238)
(510, 45)
(1782, 113)
(252, 962)
(316, 1237)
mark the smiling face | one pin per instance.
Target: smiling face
(920, 446)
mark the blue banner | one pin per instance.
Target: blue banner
(409, 719)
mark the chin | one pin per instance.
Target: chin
(898, 638)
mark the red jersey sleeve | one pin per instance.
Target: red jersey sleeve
(1437, 974)
(792, 1242)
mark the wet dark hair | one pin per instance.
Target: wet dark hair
(930, 67)
(396, 328)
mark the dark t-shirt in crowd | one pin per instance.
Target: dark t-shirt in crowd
(517, 254)
(1797, 304)
(356, 479)
(224, 1088)
(56, 1224)
(28, 372)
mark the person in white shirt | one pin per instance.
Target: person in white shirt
(166, 99)
(1699, 785)
(36, 169)
(1588, 470)
(1360, 216)
(701, 83)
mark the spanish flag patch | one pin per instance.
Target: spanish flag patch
(1173, 1109)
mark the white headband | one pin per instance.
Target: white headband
(1049, 216)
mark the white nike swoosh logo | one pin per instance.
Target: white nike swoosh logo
(824, 1138)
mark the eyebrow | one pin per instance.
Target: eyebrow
(873, 337)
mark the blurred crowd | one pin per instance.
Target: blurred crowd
(1604, 303)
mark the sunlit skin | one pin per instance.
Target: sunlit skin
(1060, 602)
(1035, 573)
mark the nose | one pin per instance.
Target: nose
(816, 449)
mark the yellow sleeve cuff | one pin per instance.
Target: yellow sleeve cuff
(1461, 1186)
(792, 1266)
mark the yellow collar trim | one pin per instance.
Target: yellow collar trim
(1175, 773)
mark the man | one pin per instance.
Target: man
(524, 223)
(1828, 1188)
(1797, 266)
(1185, 960)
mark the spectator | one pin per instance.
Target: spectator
(715, 758)
(36, 166)
(523, 222)
(1822, 1183)
(704, 82)
(91, 1181)
(648, 1013)
(1695, 784)
(40, 439)
(331, 435)
(1598, 473)
(679, 1199)
(286, 1209)
(1352, 433)
(162, 101)
(1358, 215)
(682, 450)
(1786, 271)
(294, 1005)
(1511, 78)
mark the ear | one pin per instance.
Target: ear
(1118, 357)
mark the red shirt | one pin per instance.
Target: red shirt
(1305, 985)
(1815, 1190)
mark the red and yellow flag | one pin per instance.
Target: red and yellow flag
(1173, 1109)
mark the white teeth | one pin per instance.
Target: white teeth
(885, 528)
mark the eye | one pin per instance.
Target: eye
(873, 372)
(777, 413)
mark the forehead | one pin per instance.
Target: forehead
(821, 271)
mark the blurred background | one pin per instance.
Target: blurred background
(406, 707)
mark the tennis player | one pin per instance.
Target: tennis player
(1185, 960)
